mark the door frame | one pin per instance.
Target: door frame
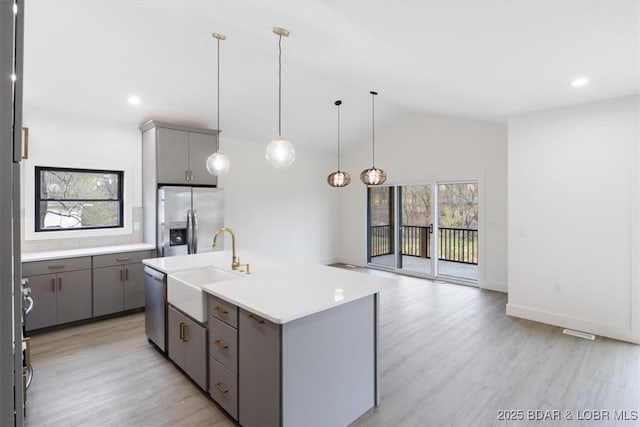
(479, 283)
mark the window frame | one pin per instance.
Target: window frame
(38, 199)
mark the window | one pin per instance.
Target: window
(78, 199)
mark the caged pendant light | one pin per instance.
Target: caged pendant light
(218, 164)
(373, 175)
(339, 178)
(280, 152)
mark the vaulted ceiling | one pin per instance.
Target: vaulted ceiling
(480, 59)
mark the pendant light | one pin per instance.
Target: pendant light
(339, 178)
(373, 175)
(218, 164)
(280, 152)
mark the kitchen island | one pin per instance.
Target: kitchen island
(289, 344)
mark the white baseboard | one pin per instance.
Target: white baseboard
(495, 286)
(601, 329)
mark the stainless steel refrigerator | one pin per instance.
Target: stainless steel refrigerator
(187, 219)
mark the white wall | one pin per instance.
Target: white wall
(290, 212)
(573, 217)
(57, 139)
(425, 148)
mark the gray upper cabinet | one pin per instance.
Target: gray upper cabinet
(61, 290)
(201, 146)
(175, 154)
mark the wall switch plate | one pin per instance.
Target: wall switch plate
(557, 287)
(136, 226)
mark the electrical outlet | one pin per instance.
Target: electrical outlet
(557, 287)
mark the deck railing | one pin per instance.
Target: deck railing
(455, 244)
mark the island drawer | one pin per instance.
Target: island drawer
(108, 260)
(223, 387)
(223, 310)
(36, 268)
(223, 343)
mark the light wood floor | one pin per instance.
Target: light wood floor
(449, 357)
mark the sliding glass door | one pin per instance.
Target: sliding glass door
(458, 230)
(416, 228)
(430, 230)
(381, 226)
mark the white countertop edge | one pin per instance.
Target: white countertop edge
(79, 252)
(282, 321)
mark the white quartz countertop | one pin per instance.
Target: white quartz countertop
(72, 253)
(279, 290)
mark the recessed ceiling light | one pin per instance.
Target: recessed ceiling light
(134, 100)
(579, 81)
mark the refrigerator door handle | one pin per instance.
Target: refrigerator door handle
(189, 232)
(194, 214)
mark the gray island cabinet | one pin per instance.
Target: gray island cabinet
(291, 344)
(289, 374)
(187, 346)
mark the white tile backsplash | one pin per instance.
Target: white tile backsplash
(85, 242)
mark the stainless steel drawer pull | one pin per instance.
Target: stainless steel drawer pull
(221, 344)
(59, 283)
(256, 320)
(221, 310)
(55, 266)
(126, 274)
(221, 389)
(123, 259)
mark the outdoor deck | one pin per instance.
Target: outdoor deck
(423, 265)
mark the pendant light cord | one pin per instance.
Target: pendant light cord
(279, 84)
(218, 125)
(338, 137)
(373, 129)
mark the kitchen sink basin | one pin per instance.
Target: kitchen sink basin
(184, 289)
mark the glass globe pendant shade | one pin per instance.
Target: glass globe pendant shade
(373, 176)
(280, 153)
(339, 179)
(218, 164)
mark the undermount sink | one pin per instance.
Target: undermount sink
(184, 289)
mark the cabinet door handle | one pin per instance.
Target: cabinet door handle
(186, 332)
(53, 285)
(256, 319)
(181, 331)
(126, 258)
(55, 266)
(121, 275)
(126, 274)
(221, 310)
(186, 175)
(59, 283)
(221, 389)
(221, 344)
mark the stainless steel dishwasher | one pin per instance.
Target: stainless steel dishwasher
(155, 296)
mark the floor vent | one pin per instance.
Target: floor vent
(579, 334)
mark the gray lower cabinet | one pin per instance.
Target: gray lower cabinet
(61, 291)
(187, 346)
(223, 354)
(118, 282)
(259, 373)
